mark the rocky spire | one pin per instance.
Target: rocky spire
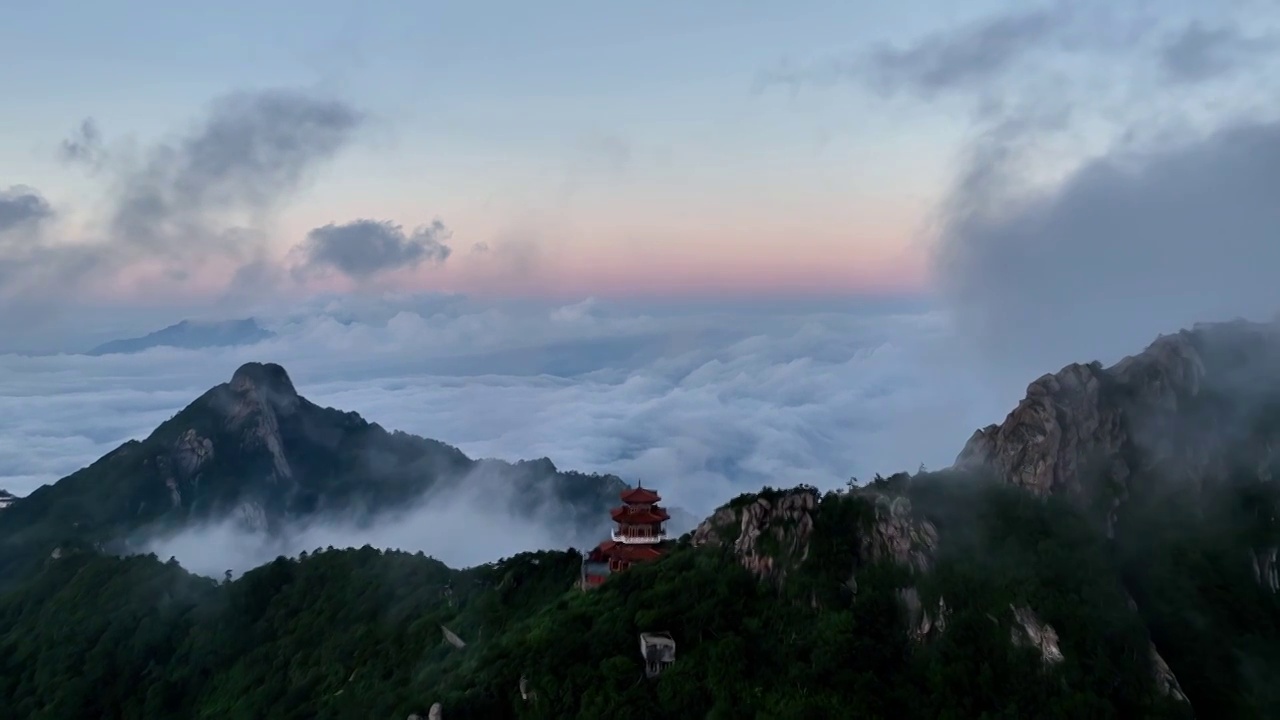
(262, 392)
(267, 380)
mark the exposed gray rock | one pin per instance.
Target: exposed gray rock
(191, 452)
(451, 638)
(1028, 631)
(897, 535)
(1063, 423)
(1166, 682)
(182, 466)
(1265, 570)
(1086, 432)
(923, 623)
(771, 534)
(260, 393)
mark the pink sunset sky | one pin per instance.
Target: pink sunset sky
(663, 150)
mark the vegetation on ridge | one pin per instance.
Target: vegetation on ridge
(356, 633)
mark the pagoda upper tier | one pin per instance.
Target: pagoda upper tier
(640, 536)
(640, 520)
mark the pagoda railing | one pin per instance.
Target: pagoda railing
(638, 539)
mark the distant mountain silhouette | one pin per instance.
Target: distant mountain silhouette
(191, 335)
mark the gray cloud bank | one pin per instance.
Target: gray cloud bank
(1201, 52)
(22, 207)
(463, 526)
(210, 193)
(364, 248)
(250, 153)
(84, 145)
(975, 57)
(207, 195)
(1114, 186)
(1129, 245)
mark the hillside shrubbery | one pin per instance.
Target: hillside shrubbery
(357, 633)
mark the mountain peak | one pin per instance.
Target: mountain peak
(270, 379)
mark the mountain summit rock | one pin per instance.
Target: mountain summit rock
(1196, 414)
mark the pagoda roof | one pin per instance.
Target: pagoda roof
(640, 495)
(630, 553)
(644, 517)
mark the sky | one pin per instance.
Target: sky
(725, 244)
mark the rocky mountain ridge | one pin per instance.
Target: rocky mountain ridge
(770, 532)
(1195, 412)
(1156, 407)
(1195, 415)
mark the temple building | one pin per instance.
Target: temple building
(640, 536)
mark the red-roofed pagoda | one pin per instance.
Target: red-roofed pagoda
(640, 536)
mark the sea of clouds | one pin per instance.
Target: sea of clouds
(702, 404)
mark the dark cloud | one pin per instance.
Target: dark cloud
(363, 248)
(207, 195)
(1200, 52)
(1127, 246)
(21, 206)
(84, 145)
(251, 153)
(958, 59)
(968, 56)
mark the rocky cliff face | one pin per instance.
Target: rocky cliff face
(770, 533)
(1195, 416)
(897, 534)
(1202, 405)
(260, 394)
(1029, 631)
(1197, 398)
(244, 417)
(1085, 420)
